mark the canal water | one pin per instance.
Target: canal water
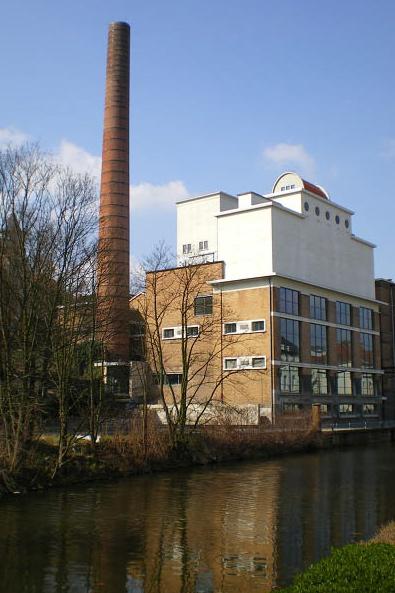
(234, 528)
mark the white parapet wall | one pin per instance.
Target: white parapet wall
(217, 414)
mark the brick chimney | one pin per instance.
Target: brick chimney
(113, 264)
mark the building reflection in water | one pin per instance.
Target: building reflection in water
(238, 528)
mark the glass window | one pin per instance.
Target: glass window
(291, 408)
(344, 383)
(366, 341)
(203, 245)
(343, 346)
(258, 326)
(346, 408)
(318, 343)
(369, 409)
(367, 385)
(258, 362)
(168, 333)
(289, 379)
(230, 363)
(324, 409)
(289, 301)
(343, 313)
(174, 378)
(317, 307)
(186, 248)
(365, 318)
(230, 328)
(192, 331)
(204, 305)
(319, 381)
(289, 340)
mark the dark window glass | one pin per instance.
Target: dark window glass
(319, 381)
(369, 409)
(173, 378)
(258, 326)
(343, 346)
(289, 340)
(230, 328)
(365, 318)
(317, 307)
(366, 350)
(344, 383)
(347, 223)
(292, 408)
(327, 215)
(289, 379)
(337, 218)
(204, 305)
(306, 206)
(318, 343)
(317, 210)
(289, 301)
(343, 313)
(192, 331)
(168, 333)
(367, 385)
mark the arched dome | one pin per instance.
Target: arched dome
(290, 180)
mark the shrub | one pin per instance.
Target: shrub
(356, 568)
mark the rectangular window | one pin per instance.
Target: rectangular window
(244, 362)
(346, 409)
(230, 363)
(292, 408)
(369, 409)
(343, 313)
(243, 327)
(318, 343)
(317, 307)
(343, 346)
(289, 340)
(324, 409)
(192, 331)
(168, 333)
(173, 378)
(204, 305)
(258, 326)
(203, 245)
(186, 248)
(289, 379)
(289, 301)
(365, 318)
(230, 328)
(344, 383)
(366, 341)
(319, 381)
(367, 385)
(258, 362)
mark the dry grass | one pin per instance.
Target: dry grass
(385, 535)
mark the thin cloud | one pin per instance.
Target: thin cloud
(290, 156)
(12, 137)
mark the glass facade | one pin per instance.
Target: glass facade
(289, 301)
(319, 381)
(317, 307)
(366, 341)
(289, 379)
(344, 383)
(318, 343)
(343, 347)
(289, 340)
(343, 313)
(365, 318)
(368, 385)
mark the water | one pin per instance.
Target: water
(241, 527)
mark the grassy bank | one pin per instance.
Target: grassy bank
(356, 568)
(119, 455)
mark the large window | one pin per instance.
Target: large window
(319, 381)
(343, 313)
(365, 318)
(318, 343)
(204, 305)
(289, 301)
(344, 383)
(289, 340)
(367, 385)
(317, 307)
(366, 350)
(343, 346)
(289, 379)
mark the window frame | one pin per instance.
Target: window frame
(288, 368)
(314, 307)
(244, 331)
(284, 355)
(177, 332)
(206, 310)
(343, 312)
(242, 367)
(289, 301)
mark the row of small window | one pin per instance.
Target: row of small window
(318, 382)
(176, 333)
(244, 362)
(287, 187)
(243, 327)
(289, 303)
(290, 344)
(341, 409)
(327, 215)
(187, 247)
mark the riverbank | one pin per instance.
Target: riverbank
(365, 567)
(119, 456)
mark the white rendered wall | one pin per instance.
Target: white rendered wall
(321, 252)
(245, 243)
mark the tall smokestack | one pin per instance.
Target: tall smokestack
(113, 289)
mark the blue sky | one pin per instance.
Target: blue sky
(225, 95)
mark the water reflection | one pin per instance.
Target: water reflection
(239, 528)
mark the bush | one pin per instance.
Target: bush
(356, 568)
